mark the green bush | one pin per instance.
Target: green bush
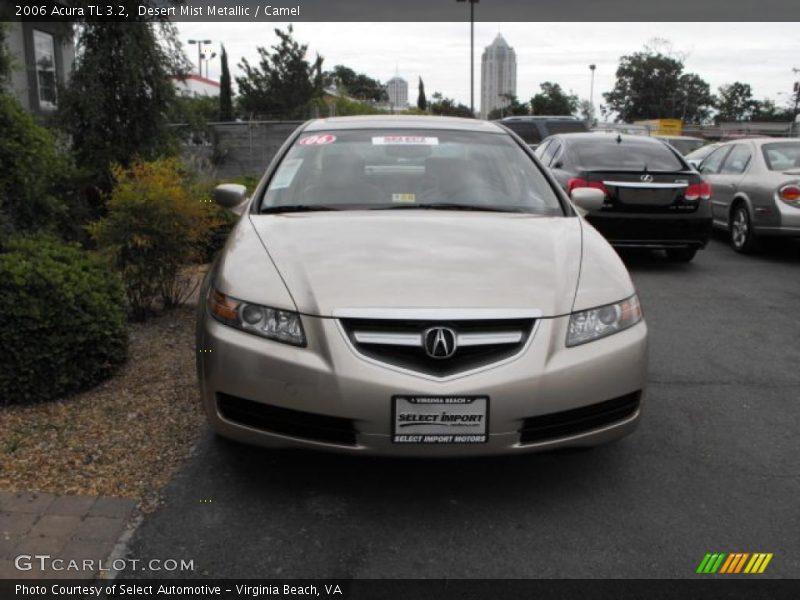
(154, 227)
(62, 320)
(31, 173)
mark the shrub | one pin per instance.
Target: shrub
(153, 228)
(62, 320)
(32, 169)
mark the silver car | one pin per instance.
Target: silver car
(417, 286)
(755, 189)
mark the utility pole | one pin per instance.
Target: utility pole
(472, 4)
(592, 67)
(200, 44)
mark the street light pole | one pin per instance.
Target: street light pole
(472, 4)
(199, 54)
(591, 96)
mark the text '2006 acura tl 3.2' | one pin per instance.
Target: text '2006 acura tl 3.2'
(417, 286)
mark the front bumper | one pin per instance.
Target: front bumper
(654, 230)
(331, 383)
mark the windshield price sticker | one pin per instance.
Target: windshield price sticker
(317, 140)
(440, 419)
(405, 140)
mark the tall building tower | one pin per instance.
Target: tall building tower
(498, 75)
(397, 89)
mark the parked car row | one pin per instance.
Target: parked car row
(654, 197)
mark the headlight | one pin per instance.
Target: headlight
(588, 325)
(275, 324)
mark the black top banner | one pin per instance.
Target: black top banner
(266, 11)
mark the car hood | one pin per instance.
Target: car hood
(424, 259)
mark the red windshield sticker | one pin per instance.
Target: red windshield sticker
(317, 140)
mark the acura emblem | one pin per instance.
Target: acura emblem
(647, 178)
(440, 342)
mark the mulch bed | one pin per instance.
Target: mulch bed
(123, 438)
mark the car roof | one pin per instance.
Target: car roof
(539, 118)
(760, 141)
(679, 137)
(402, 122)
(592, 136)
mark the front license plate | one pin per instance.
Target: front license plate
(440, 419)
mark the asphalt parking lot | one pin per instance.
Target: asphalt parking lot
(714, 467)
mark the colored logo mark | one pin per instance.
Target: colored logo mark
(736, 562)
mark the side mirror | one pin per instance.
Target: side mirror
(230, 196)
(588, 199)
(558, 164)
(694, 163)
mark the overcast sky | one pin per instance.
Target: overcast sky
(761, 54)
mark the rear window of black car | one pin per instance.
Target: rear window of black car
(554, 127)
(607, 154)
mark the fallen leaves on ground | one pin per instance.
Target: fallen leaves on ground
(123, 438)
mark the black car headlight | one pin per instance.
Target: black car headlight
(595, 323)
(272, 323)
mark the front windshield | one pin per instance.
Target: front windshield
(392, 169)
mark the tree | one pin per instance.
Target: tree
(552, 100)
(422, 102)
(356, 85)
(117, 105)
(652, 85)
(735, 102)
(694, 99)
(5, 57)
(586, 110)
(225, 91)
(448, 107)
(284, 83)
(511, 106)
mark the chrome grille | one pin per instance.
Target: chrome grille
(406, 343)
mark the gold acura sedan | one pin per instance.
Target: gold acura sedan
(417, 286)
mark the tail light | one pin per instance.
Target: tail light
(577, 182)
(790, 193)
(698, 191)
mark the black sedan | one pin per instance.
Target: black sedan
(654, 199)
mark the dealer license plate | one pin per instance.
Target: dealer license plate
(440, 419)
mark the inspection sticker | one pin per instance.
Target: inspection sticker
(286, 173)
(317, 140)
(405, 140)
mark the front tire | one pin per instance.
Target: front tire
(742, 237)
(681, 254)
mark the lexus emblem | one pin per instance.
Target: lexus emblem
(647, 178)
(440, 342)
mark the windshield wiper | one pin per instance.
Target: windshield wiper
(445, 206)
(273, 210)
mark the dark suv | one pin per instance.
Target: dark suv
(653, 198)
(533, 130)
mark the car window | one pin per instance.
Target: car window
(604, 153)
(737, 161)
(713, 163)
(556, 153)
(782, 157)
(565, 126)
(701, 153)
(554, 147)
(542, 148)
(527, 130)
(371, 168)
